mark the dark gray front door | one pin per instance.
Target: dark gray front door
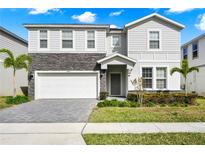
(115, 84)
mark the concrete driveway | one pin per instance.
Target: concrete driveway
(49, 111)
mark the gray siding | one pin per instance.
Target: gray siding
(138, 41)
(54, 41)
(6, 77)
(195, 81)
(122, 49)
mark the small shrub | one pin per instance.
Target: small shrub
(17, 100)
(132, 97)
(116, 103)
(151, 104)
(134, 104)
(103, 95)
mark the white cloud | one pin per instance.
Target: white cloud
(36, 11)
(114, 26)
(201, 24)
(178, 10)
(87, 17)
(116, 13)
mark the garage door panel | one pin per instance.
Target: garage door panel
(67, 85)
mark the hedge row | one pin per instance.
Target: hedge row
(165, 98)
(116, 103)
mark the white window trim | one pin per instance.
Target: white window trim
(61, 39)
(154, 78)
(113, 46)
(160, 40)
(161, 78)
(90, 49)
(48, 40)
(143, 66)
(120, 83)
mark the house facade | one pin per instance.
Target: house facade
(80, 61)
(193, 51)
(18, 46)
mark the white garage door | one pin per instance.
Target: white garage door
(66, 85)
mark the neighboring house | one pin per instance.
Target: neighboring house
(81, 60)
(194, 52)
(18, 46)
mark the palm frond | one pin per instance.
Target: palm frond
(23, 61)
(8, 52)
(8, 62)
(193, 69)
(176, 69)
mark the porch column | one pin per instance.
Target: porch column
(103, 84)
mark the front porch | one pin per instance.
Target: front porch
(114, 74)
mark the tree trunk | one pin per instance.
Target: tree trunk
(186, 86)
(14, 83)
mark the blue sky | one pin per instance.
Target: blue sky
(12, 19)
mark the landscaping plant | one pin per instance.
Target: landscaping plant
(184, 71)
(138, 85)
(21, 62)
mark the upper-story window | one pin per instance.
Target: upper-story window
(67, 39)
(43, 39)
(91, 39)
(154, 39)
(147, 77)
(116, 40)
(161, 77)
(195, 50)
(185, 52)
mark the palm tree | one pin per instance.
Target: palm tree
(184, 70)
(21, 62)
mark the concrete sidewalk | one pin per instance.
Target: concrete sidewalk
(71, 133)
(41, 133)
(110, 128)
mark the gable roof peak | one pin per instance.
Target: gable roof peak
(155, 15)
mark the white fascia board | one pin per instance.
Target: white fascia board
(155, 15)
(116, 55)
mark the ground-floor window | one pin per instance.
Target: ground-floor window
(161, 77)
(147, 77)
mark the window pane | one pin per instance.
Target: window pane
(43, 33)
(67, 34)
(185, 53)
(161, 73)
(154, 35)
(116, 41)
(91, 35)
(67, 44)
(147, 83)
(194, 46)
(154, 45)
(161, 83)
(43, 43)
(90, 44)
(147, 72)
(195, 54)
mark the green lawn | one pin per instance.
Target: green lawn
(3, 104)
(150, 114)
(146, 139)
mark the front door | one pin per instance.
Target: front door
(115, 88)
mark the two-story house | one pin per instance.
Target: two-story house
(81, 60)
(18, 46)
(193, 51)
